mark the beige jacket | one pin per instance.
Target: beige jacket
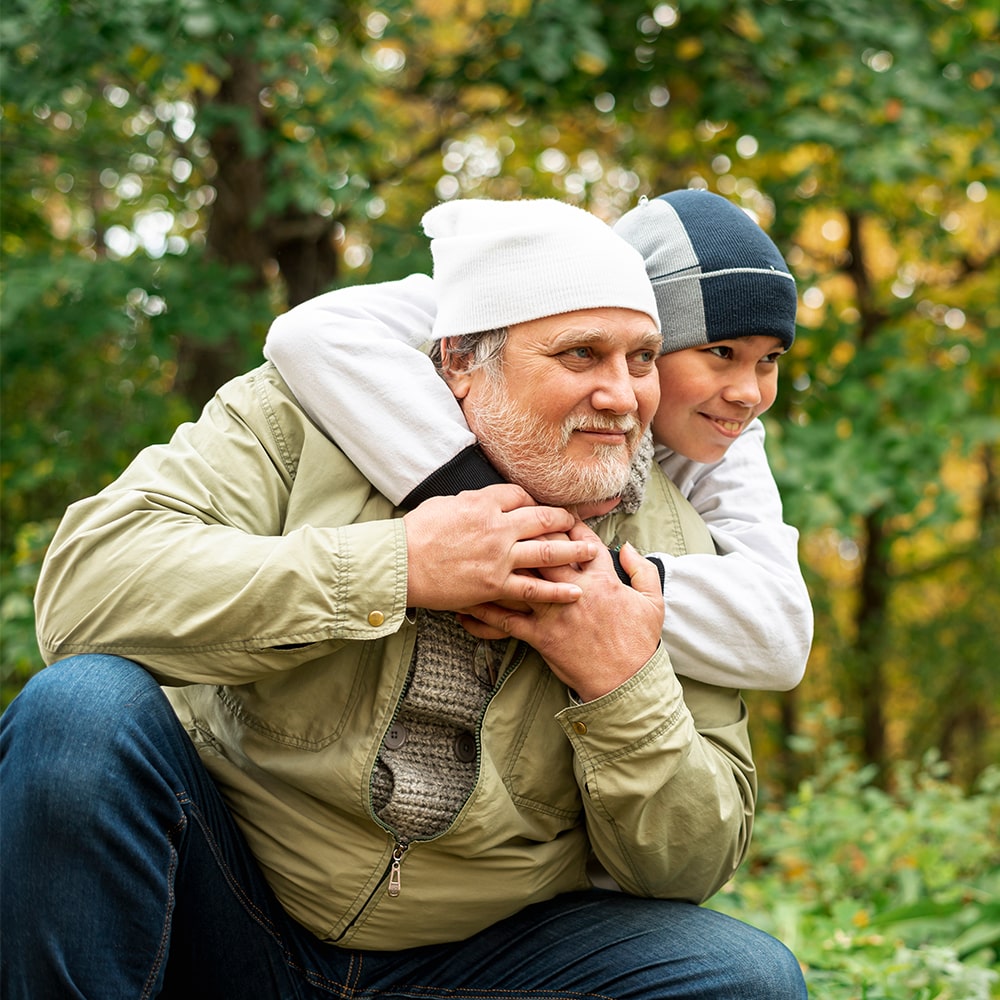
(253, 570)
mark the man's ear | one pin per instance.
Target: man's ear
(455, 368)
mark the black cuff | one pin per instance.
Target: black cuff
(660, 568)
(470, 469)
(625, 578)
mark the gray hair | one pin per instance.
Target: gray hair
(482, 350)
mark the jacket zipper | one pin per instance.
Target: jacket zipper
(398, 851)
(402, 845)
(397, 860)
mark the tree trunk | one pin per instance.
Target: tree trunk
(240, 235)
(989, 494)
(870, 621)
(303, 247)
(873, 588)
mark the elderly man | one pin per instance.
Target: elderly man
(348, 793)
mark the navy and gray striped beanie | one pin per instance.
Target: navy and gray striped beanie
(716, 274)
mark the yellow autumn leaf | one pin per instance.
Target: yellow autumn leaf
(690, 48)
(200, 79)
(487, 97)
(746, 26)
(589, 63)
(843, 353)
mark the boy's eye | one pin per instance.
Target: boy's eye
(721, 351)
(772, 359)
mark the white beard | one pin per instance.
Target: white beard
(528, 452)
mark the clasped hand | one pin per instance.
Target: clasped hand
(514, 568)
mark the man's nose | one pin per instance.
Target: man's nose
(743, 387)
(615, 389)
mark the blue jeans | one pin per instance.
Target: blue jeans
(125, 876)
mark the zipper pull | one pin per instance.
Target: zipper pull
(397, 860)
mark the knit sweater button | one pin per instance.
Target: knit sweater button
(465, 748)
(482, 665)
(395, 737)
(375, 618)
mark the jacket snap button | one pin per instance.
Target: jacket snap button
(396, 736)
(375, 618)
(465, 748)
(580, 728)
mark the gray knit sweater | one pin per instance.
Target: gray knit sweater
(429, 762)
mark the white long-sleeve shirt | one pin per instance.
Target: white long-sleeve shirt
(354, 359)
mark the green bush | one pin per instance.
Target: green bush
(881, 895)
(19, 656)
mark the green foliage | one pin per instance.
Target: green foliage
(88, 368)
(951, 651)
(874, 82)
(173, 172)
(19, 568)
(885, 896)
(873, 435)
(550, 47)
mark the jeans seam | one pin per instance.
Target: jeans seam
(161, 952)
(349, 990)
(255, 912)
(252, 909)
(345, 989)
(488, 993)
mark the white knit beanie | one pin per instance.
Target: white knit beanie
(497, 263)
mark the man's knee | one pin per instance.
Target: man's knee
(83, 686)
(59, 729)
(770, 970)
(734, 958)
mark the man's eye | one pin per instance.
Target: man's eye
(642, 363)
(578, 352)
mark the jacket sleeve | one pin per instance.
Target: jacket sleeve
(190, 565)
(744, 620)
(668, 782)
(353, 358)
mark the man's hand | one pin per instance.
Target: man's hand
(599, 641)
(481, 546)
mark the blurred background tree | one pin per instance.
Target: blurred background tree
(174, 173)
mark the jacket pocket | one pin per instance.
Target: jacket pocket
(306, 707)
(538, 761)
